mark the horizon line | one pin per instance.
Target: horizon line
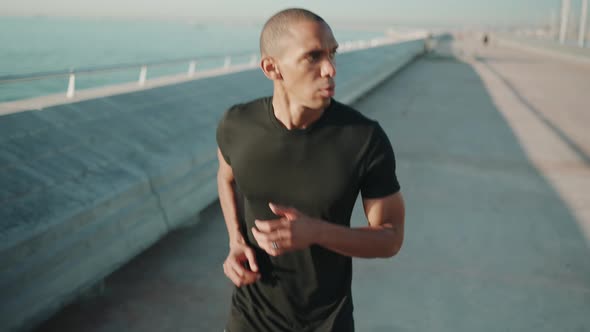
(374, 22)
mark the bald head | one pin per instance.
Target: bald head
(277, 27)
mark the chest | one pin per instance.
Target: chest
(310, 173)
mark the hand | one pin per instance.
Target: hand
(293, 231)
(235, 268)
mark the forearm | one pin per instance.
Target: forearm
(367, 242)
(227, 200)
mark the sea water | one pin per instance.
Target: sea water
(30, 45)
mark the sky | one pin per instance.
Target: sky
(420, 12)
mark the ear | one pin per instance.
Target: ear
(270, 69)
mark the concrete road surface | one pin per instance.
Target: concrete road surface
(493, 156)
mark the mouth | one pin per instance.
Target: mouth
(328, 91)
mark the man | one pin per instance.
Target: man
(299, 160)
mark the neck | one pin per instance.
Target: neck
(292, 114)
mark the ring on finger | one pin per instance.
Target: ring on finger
(274, 245)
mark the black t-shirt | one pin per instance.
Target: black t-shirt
(319, 171)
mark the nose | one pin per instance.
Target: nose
(328, 68)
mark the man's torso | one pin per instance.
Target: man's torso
(318, 171)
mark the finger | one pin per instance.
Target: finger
(231, 274)
(259, 236)
(249, 277)
(267, 226)
(281, 210)
(264, 237)
(252, 260)
(241, 276)
(238, 268)
(249, 280)
(263, 243)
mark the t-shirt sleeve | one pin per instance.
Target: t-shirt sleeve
(379, 178)
(223, 135)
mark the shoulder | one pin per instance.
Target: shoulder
(250, 109)
(363, 130)
(241, 117)
(238, 121)
(353, 118)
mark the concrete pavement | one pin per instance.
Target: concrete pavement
(492, 156)
(496, 197)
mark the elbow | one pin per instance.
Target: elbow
(223, 177)
(396, 249)
(391, 251)
(393, 248)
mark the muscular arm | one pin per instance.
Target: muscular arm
(383, 236)
(234, 265)
(227, 199)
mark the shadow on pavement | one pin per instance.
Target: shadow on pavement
(556, 130)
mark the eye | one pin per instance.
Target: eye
(313, 56)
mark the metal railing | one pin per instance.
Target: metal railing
(142, 67)
(192, 62)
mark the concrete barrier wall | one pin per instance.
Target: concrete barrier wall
(85, 187)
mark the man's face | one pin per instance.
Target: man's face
(306, 64)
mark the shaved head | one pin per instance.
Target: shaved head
(277, 27)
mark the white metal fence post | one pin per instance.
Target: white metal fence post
(142, 75)
(583, 17)
(565, 11)
(71, 86)
(191, 68)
